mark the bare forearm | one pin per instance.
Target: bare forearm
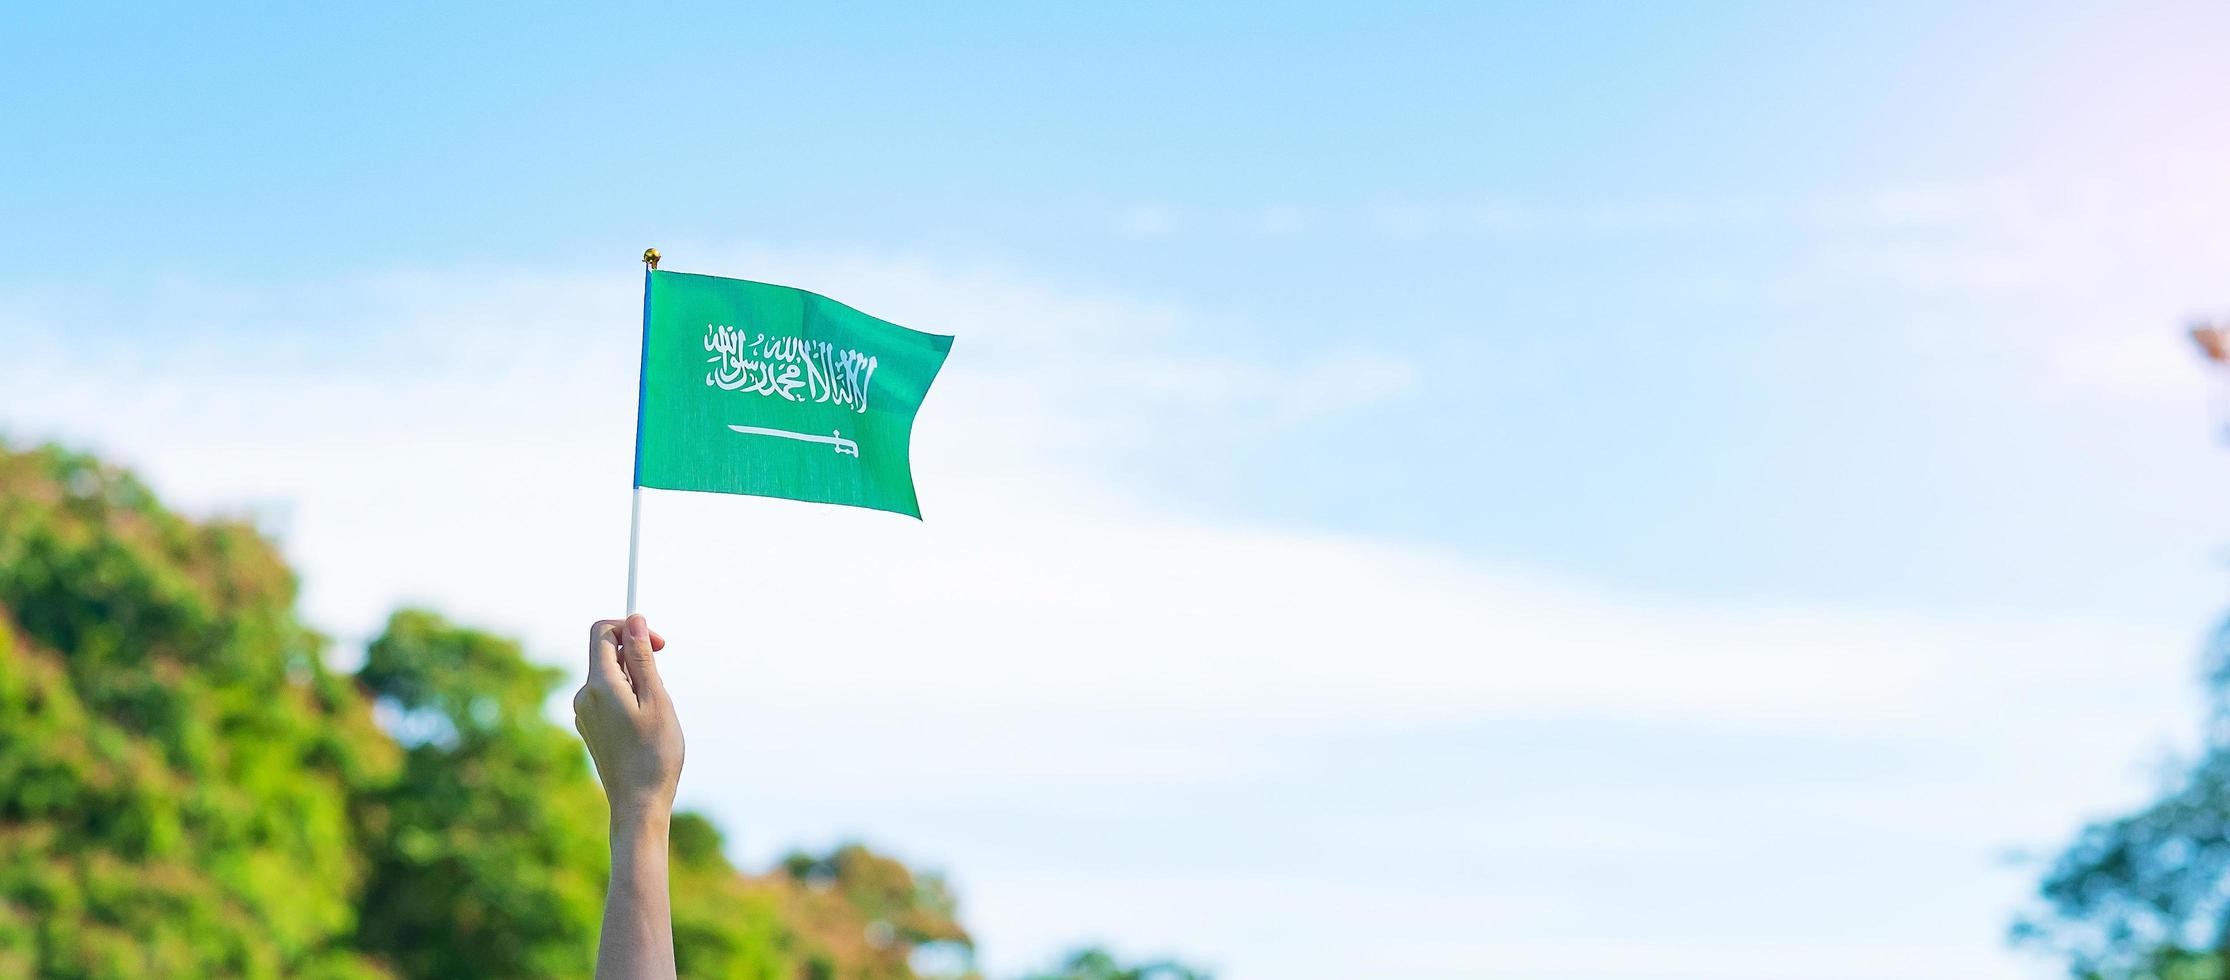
(638, 940)
(628, 721)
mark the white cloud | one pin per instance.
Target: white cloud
(462, 440)
(475, 455)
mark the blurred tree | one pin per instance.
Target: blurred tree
(725, 924)
(2146, 896)
(177, 760)
(1093, 963)
(487, 853)
(187, 790)
(910, 909)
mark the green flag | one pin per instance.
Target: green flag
(768, 390)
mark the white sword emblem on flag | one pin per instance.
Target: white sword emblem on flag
(835, 438)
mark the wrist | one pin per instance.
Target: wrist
(645, 821)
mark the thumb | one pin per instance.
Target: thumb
(642, 665)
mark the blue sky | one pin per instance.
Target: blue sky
(1841, 339)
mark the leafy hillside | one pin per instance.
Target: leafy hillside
(186, 789)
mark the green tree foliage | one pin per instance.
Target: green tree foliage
(1099, 964)
(489, 856)
(188, 790)
(904, 909)
(2146, 896)
(178, 763)
(487, 853)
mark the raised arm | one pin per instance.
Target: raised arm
(628, 722)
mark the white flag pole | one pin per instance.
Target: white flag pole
(642, 376)
(634, 543)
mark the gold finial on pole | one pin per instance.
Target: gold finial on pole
(650, 257)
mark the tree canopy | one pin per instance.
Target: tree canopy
(190, 789)
(2146, 895)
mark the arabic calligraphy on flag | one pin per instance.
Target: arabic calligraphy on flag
(792, 368)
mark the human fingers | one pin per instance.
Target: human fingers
(604, 652)
(642, 666)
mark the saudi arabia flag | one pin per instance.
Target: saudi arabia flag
(768, 390)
